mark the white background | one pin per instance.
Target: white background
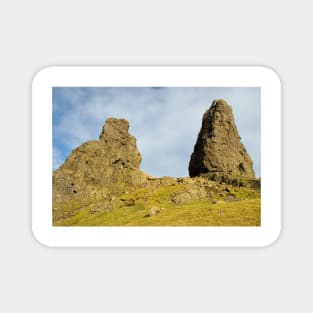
(263, 77)
(35, 34)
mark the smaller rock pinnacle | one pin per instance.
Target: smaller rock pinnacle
(114, 128)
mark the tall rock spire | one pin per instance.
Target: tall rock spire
(218, 151)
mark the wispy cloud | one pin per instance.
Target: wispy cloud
(58, 158)
(165, 121)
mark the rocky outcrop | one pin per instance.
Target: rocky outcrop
(100, 169)
(219, 153)
(105, 174)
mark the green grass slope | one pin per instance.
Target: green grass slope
(154, 206)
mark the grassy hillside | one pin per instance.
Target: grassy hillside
(168, 205)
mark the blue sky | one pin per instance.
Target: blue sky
(165, 121)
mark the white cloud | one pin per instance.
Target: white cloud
(57, 157)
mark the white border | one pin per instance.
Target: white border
(178, 76)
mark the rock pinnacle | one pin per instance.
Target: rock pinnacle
(219, 152)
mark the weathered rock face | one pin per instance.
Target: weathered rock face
(218, 152)
(110, 164)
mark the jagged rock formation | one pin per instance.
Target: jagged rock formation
(101, 183)
(218, 153)
(100, 169)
